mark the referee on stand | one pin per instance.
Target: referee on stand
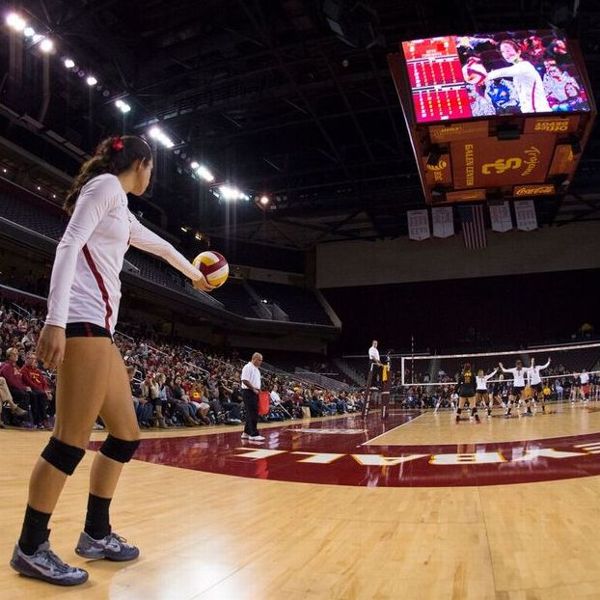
(250, 389)
(375, 367)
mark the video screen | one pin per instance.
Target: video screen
(457, 77)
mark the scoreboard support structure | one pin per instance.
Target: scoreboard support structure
(472, 146)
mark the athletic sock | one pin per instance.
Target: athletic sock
(35, 530)
(97, 522)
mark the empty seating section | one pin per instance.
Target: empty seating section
(235, 298)
(155, 270)
(300, 304)
(27, 215)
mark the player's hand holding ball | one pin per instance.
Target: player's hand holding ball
(215, 269)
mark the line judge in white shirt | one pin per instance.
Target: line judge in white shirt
(250, 389)
(374, 365)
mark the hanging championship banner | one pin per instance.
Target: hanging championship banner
(525, 214)
(418, 224)
(500, 217)
(443, 222)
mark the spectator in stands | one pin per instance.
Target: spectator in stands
(232, 410)
(143, 408)
(150, 392)
(183, 409)
(341, 402)
(6, 398)
(28, 340)
(317, 408)
(237, 401)
(559, 389)
(288, 404)
(329, 403)
(200, 401)
(14, 379)
(41, 394)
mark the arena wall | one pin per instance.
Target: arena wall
(361, 263)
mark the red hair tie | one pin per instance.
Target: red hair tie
(118, 144)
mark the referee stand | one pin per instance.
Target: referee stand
(378, 386)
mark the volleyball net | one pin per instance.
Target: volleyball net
(566, 363)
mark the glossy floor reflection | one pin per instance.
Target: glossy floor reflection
(362, 452)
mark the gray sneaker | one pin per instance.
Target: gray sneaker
(45, 565)
(111, 547)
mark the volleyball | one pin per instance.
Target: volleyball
(474, 72)
(213, 266)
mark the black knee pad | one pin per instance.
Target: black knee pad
(119, 450)
(62, 456)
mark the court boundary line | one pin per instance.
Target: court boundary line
(394, 429)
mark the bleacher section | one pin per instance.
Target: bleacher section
(298, 304)
(235, 298)
(301, 305)
(156, 271)
(26, 215)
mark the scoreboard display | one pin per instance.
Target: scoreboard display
(494, 115)
(438, 89)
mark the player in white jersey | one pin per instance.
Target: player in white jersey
(83, 304)
(519, 374)
(535, 381)
(582, 385)
(526, 80)
(481, 390)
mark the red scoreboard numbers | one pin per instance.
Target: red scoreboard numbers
(438, 89)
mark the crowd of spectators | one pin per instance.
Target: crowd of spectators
(172, 383)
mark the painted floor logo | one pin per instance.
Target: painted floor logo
(316, 455)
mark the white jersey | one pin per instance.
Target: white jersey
(584, 378)
(85, 284)
(251, 374)
(482, 381)
(533, 373)
(374, 354)
(528, 85)
(518, 376)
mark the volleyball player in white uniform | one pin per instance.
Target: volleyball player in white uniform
(519, 374)
(83, 305)
(526, 80)
(535, 381)
(583, 384)
(481, 390)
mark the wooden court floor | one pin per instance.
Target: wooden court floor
(338, 508)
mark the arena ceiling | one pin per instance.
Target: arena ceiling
(269, 96)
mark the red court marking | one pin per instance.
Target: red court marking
(345, 461)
